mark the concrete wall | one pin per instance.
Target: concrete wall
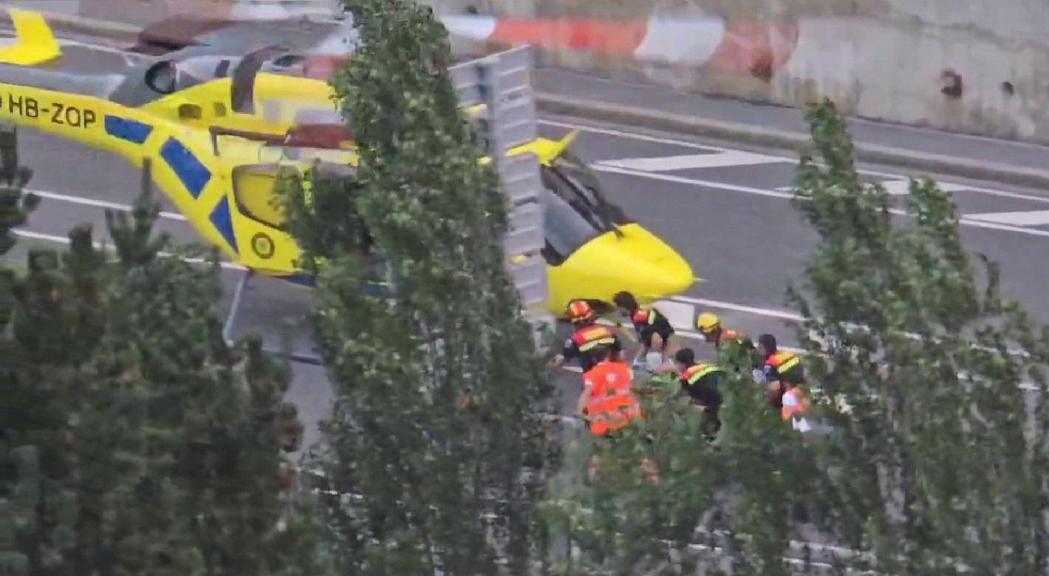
(977, 66)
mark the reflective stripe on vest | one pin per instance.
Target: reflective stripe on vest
(613, 413)
(593, 336)
(613, 404)
(697, 372)
(783, 361)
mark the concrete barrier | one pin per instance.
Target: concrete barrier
(980, 67)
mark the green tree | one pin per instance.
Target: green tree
(437, 428)
(721, 506)
(137, 441)
(15, 205)
(940, 466)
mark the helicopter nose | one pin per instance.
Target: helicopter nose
(652, 268)
(637, 262)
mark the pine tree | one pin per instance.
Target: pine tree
(15, 205)
(139, 442)
(939, 467)
(436, 429)
(722, 507)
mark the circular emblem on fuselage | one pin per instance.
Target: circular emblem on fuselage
(262, 245)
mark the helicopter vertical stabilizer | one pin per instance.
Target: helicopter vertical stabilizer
(34, 43)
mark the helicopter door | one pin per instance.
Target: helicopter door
(255, 188)
(242, 90)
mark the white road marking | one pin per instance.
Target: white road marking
(686, 144)
(682, 315)
(693, 182)
(630, 135)
(716, 304)
(84, 201)
(902, 187)
(964, 187)
(105, 246)
(672, 304)
(693, 161)
(965, 221)
(1023, 218)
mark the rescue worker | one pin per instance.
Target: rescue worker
(709, 326)
(795, 407)
(608, 401)
(652, 326)
(702, 382)
(587, 337)
(729, 343)
(780, 367)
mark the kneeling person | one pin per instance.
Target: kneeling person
(652, 326)
(608, 400)
(588, 337)
(702, 382)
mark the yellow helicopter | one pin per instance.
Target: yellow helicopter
(221, 130)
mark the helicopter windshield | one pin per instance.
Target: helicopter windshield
(574, 209)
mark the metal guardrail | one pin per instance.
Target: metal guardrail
(499, 86)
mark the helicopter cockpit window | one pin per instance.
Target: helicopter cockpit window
(162, 77)
(168, 76)
(255, 188)
(575, 213)
(586, 183)
(566, 229)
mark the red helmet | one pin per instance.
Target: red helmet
(580, 311)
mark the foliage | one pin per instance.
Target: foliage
(731, 494)
(15, 206)
(437, 428)
(940, 466)
(137, 442)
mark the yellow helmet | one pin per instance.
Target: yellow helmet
(707, 322)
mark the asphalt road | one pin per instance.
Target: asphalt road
(726, 211)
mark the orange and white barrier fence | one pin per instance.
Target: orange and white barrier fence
(756, 47)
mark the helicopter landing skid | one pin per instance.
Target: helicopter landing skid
(231, 319)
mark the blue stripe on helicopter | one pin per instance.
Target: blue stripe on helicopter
(369, 289)
(222, 220)
(126, 129)
(190, 171)
(300, 279)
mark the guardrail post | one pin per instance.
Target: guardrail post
(497, 90)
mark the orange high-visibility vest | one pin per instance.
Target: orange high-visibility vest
(591, 337)
(612, 404)
(645, 316)
(696, 372)
(800, 401)
(783, 362)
